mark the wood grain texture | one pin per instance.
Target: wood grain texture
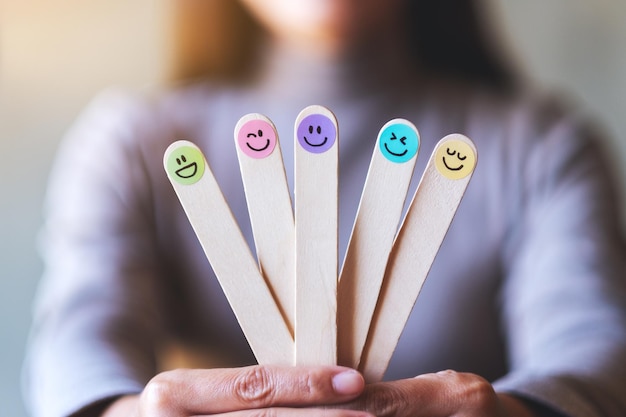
(316, 218)
(233, 264)
(427, 221)
(271, 217)
(373, 233)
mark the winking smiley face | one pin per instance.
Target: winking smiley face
(398, 141)
(256, 137)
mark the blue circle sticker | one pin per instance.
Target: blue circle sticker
(398, 142)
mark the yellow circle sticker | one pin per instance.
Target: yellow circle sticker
(455, 159)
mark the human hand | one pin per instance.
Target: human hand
(444, 394)
(250, 391)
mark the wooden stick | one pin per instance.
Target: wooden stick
(316, 185)
(431, 211)
(269, 207)
(229, 255)
(375, 227)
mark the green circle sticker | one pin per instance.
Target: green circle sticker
(185, 165)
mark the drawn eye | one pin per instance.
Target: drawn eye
(310, 128)
(260, 133)
(462, 158)
(403, 140)
(319, 130)
(450, 153)
(181, 157)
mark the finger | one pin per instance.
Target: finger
(442, 394)
(197, 392)
(398, 398)
(295, 412)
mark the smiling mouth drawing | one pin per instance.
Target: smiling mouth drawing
(450, 168)
(316, 145)
(183, 172)
(267, 144)
(393, 153)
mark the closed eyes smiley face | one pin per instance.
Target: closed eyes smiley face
(185, 165)
(451, 153)
(455, 159)
(398, 142)
(257, 138)
(316, 133)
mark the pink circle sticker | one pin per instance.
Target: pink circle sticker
(257, 138)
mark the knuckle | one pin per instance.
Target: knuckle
(478, 393)
(159, 394)
(254, 386)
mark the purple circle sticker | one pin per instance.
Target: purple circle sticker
(317, 133)
(257, 138)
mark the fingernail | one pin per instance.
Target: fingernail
(348, 383)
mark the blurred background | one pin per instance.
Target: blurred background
(57, 54)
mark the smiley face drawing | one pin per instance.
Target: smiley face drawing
(316, 133)
(455, 157)
(185, 164)
(257, 138)
(398, 141)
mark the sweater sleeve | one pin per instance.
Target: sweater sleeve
(96, 315)
(564, 296)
